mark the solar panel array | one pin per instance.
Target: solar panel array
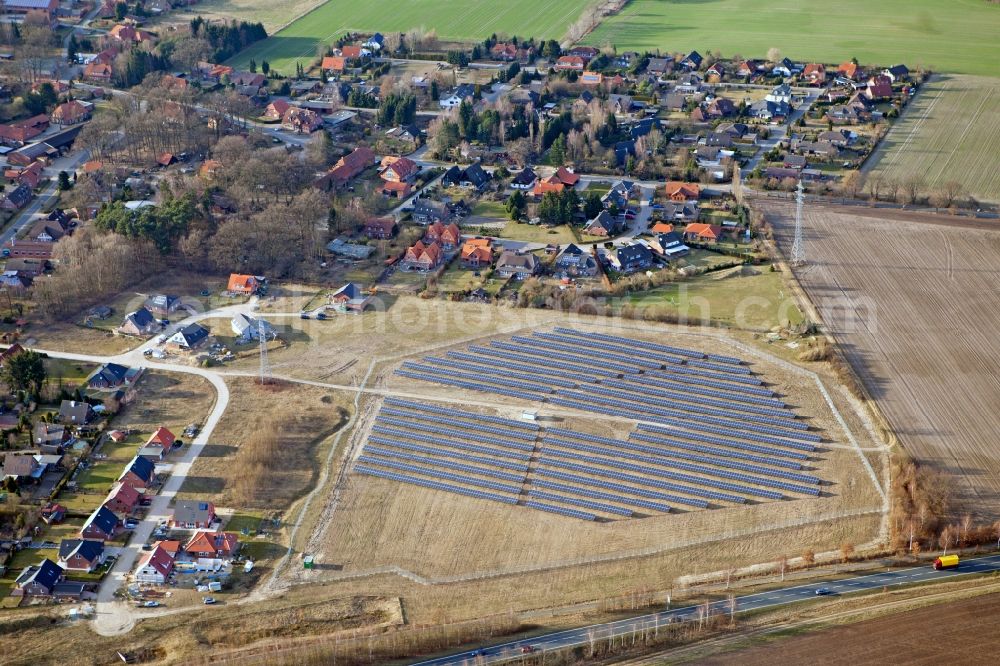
(708, 429)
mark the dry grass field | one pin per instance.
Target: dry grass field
(913, 301)
(951, 132)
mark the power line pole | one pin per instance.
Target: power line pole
(265, 368)
(798, 247)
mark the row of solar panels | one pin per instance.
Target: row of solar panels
(463, 446)
(470, 416)
(453, 375)
(461, 434)
(655, 346)
(457, 421)
(398, 442)
(486, 388)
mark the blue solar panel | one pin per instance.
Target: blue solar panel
(710, 439)
(633, 343)
(572, 513)
(720, 367)
(725, 453)
(696, 489)
(598, 346)
(458, 478)
(598, 494)
(449, 411)
(509, 362)
(622, 488)
(434, 451)
(691, 375)
(526, 348)
(476, 378)
(528, 356)
(548, 343)
(738, 393)
(754, 436)
(448, 464)
(485, 426)
(431, 439)
(436, 485)
(596, 506)
(673, 458)
(473, 436)
(505, 371)
(486, 388)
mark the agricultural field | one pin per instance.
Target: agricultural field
(961, 40)
(950, 132)
(912, 300)
(274, 15)
(472, 21)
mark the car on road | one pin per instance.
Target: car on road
(131, 524)
(824, 592)
(303, 315)
(275, 139)
(208, 601)
(528, 649)
(151, 604)
(320, 315)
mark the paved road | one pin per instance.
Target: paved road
(27, 214)
(779, 597)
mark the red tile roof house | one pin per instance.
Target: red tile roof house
(700, 232)
(193, 515)
(569, 63)
(396, 189)
(567, 177)
(53, 513)
(158, 445)
(275, 111)
(347, 168)
(814, 73)
(477, 253)
(70, 113)
(448, 236)
(421, 257)
(97, 71)
(22, 131)
(301, 121)
(155, 566)
(550, 184)
(122, 499)
(245, 285)
(680, 191)
(380, 228)
(398, 169)
(213, 545)
(879, 87)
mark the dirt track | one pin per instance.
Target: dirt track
(916, 306)
(963, 632)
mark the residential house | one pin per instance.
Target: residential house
(17, 198)
(576, 262)
(689, 82)
(631, 258)
(679, 191)
(129, 34)
(155, 566)
(770, 111)
(193, 515)
(398, 169)
(213, 545)
(716, 72)
(785, 68)
(247, 328)
(350, 298)
(674, 101)
(644, 127)
(71, 113)
(162, 440)
(244, 285)
(456, 96)
(301, 121)
(692, 60)
(347, 168)
(569, 63)
(247, 79)
(621, 104)
(380, 228)
(474, 177)
(521, 266)
(567, 177)
(477, 253)
(276, 110)
(603, 225)
(140, 473)
(139, 323)
(588, 53)
(75, 412)
(591, 78)
(839, 138)
(102, 524)
(620, 194)
(375, 43)
(747, 68)
(109, 375)
(814, 73)
(163, 304)
(22, 131)
(669, 245)
(53, 513)
(702, 233)
(849, 70)
(448, 236)
(409, 135)
(720, 107)
(83, 555)
(122, 499)
(10, 352)
(422, 257)
(97, 72)
(50, 438)
(188, 338)
(38, 580)
(879, 87)
(425, 211)
(22, 467)
(524, 179)
(897, 73)
(660, 66)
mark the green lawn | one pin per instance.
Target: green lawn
(756, 302)
(459, 278)
(959, 36)
(472, 20)
(490, 209)
(532, 233)
(100, 476)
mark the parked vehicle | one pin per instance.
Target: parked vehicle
(208, 601)
(946, 562)
(151, 604)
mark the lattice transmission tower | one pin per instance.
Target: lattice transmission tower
(265, 368)
(798, 247)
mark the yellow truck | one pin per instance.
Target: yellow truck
(946, 562)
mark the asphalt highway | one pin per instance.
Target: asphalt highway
(777, 597)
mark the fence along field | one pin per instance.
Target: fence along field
(960, 39)
(951, 132)
(466, 21)
(915, 306)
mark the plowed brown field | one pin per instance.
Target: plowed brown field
(915, 304)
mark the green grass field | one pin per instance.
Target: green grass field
(959, 36)
(467, 21)
(950, 132)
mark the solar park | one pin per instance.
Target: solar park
(704, 430)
